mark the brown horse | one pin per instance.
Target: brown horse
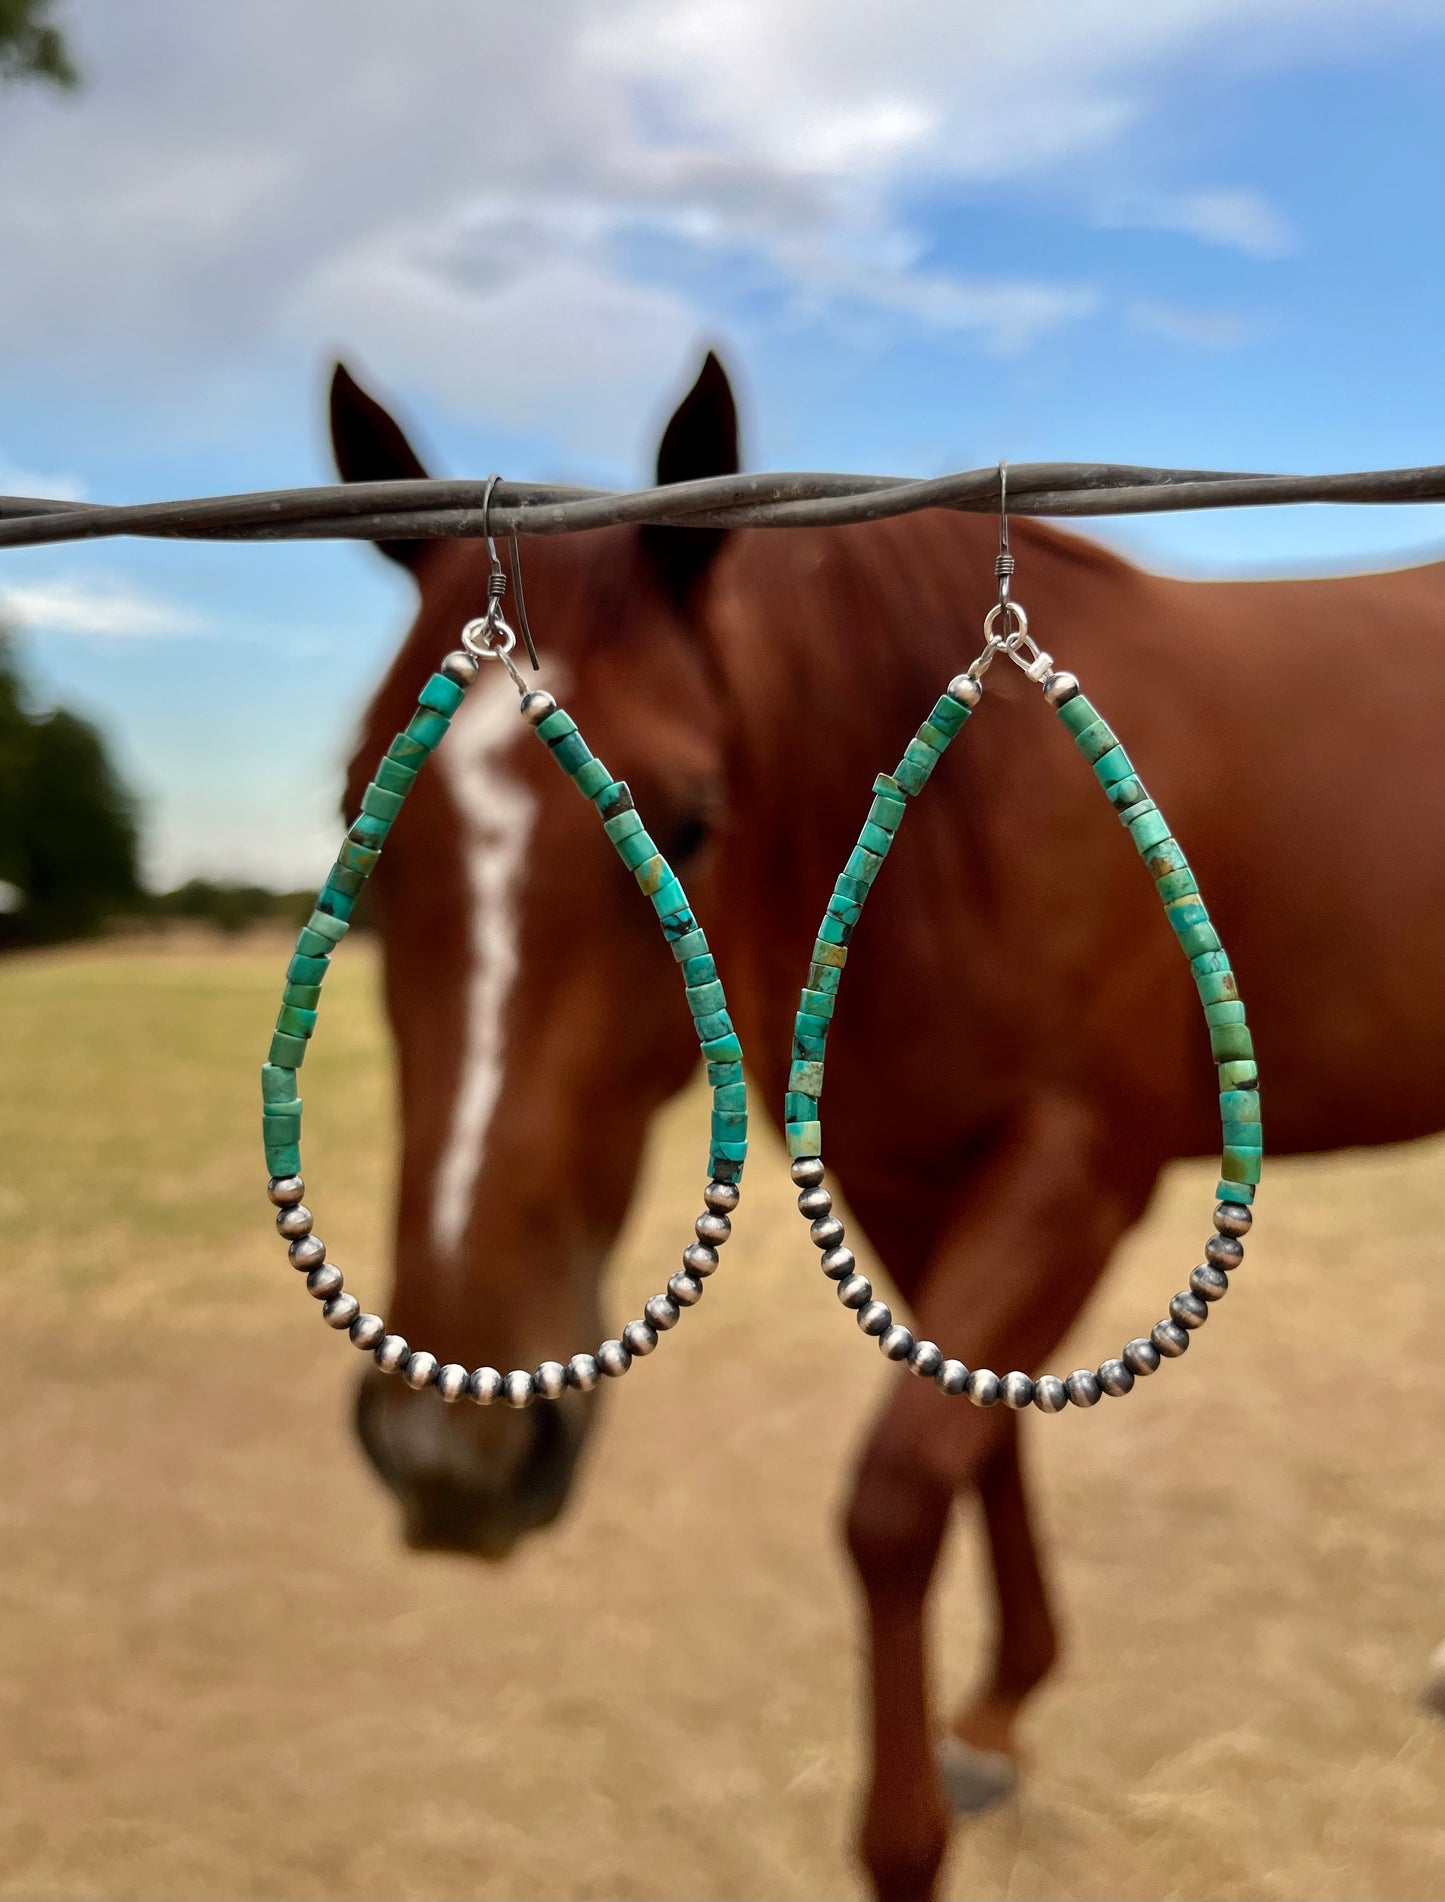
(1019, 1054)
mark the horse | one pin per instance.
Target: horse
(1019, 1055)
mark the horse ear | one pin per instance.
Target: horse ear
(701, 440)
(369, 446)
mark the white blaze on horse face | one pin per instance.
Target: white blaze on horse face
(497, 814)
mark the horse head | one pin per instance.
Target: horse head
(536, 1013)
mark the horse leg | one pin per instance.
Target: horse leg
(1037, 1223)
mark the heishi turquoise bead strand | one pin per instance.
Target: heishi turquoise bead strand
(1229, 1037)
(381, 805)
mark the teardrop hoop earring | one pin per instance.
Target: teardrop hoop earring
(490, 638)
(1230, 1041)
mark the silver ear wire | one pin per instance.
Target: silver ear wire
(490, 636)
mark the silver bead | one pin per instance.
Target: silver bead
(1050, 1394)
(367, 1330)
(614, 1359)
(1208, 1282)
(699, 1258)
(838, 1262)
(1018, 1391)
(951, 1377)
(855, 1291)
(826, 1232)
(341, 1310)
(484, 1385)
(815, 1202)
(1169, 1338)
(965, 690)
(1188, 1310)
(984, 1387)
(896, 1342)
(325, 1281)
(420, 1369)
(713, 1228)
(583, 1373)
(924, 1359)
(536, 705)
(284, 1190)
(639, 1337)
(1233, 1218)
(685, 1289)
(1141, 1357)
(391, 1351)
(517, 1388)
(451, 1381)
(307, 1252)
(1082, 1387)
(294, 1222)
(460, 667)
(662, 1312)
(1224, 1251)
(550, 1380)
(875, 1317)
(1115, 1377)
(1060, 687)
(807, 1171)
(722, 1197)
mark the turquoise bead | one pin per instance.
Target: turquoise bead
(571, 752)
(677, 925)
(819, 1004)
(825, 953)
(913, 769)
(277, 1085)
(849, 887)
(863, 864)
(428, 729)
(1230, 1012)
(669, 898)
(934, 737)
(810, 1043)
(1218, 988)
(1195, 938)
(1077, 713)
(1238, 1076)
(833, 930)
(614, 800)
(845, 910)
(886, 815)
(341, 879)
(356, 858)
(381, 804)
(1227, 1191)
(1243, 1135)
(724, 1076)
(702, 998)
(304, 969)
(691, 944)
(295, 1023)
(948, 715)
(283, 1159)
(1126, 793)
(303, 996)
(798, 1108)
(734, 1150)
(1230, 1043)
(731, 1096)
(1139, 810)
(287, 1052)
(622, 825)
(1239, 1106)
(556, 726)
(332, 929)
(313, 944)
(336, 904)
(392, 776)
(824, 978)
(875, 839)
(652, 873)
(1149, 831)
(369, 831)
(281, 1126)
(805, 1139)
(723, 1050)
(636, 849)
(806, 1078)
(1165, 857)
(591, 776)
(729, 1126)
(1176, 885)
(700, 970)
(886, 783)
(1209, 964)
(441, 695)
(1096, 740)
(406, 750)
(1241, 1165)
(713, 1024)
(1113, 767)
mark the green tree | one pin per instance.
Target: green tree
(67, 824)
(30, 47)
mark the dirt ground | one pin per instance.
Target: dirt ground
(220, 1675)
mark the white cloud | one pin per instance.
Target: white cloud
(106, 610)
(1181, 323)
(16, 479)
(1239, 219)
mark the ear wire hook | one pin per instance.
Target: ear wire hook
(497, 580)
(1003, 566)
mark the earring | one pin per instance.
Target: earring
(490, 637)
(1229, 1036)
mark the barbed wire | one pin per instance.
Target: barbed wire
(432, 509)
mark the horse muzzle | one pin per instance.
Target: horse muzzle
(470, 1479)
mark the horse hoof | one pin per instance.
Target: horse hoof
(975, 1780)
(1432, 1691)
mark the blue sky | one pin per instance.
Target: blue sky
(1193, 232)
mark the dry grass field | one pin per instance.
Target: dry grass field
(220, 1676)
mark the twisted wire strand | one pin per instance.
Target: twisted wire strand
(434, 509)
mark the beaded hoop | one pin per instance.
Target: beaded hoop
(300, 1000)
(1230, 1041)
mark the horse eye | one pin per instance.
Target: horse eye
(686, 840)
